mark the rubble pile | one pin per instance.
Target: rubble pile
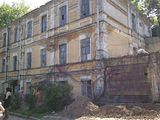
(83, 106)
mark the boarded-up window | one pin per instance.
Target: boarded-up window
(16, 34)
(63, 54)
(14, 62)
(29, 29)
(29, 60)
(4, 39)
(84, 8)
(85, 49)
(134, 22)
(3, 65)
(86, 88)
(44, 23)
(43, 57)
(63, 15)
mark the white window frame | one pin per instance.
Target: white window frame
(41, 15)
(17, 34)
(67, 55)
(67, 14)
(42, 47)
(53, 57)
(79, 7)
(27, 27)
(82, 37)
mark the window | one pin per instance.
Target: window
(29, 29)
(4, 39)
(84, 8)
(86, 88)
(3, 65)
(63, 54)
(43, 57)
(22, 32)
(63, 15)
(14, 63)
(52, 57)
(133, 22)
(16, 34)
(29, 60)
(44, 23)
(85, 49)
(28, 87)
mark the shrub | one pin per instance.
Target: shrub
(30, 100)
(57, 96)
(15, 102)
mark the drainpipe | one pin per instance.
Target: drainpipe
(129, 27)
(6, 54)
(21, 58)
(98, 33)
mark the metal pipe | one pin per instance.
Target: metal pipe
(98, 33)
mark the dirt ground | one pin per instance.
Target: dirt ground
(83, 109)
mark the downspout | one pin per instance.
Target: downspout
(6, 55)
(129, 29)
(98, 33)
(20, 61)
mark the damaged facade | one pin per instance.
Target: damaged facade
(62, 40)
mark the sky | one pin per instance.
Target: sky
(32, 3)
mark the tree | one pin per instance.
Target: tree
(9, 13)
(135, 2)
(151, 8)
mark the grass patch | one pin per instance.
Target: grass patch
(37, 113)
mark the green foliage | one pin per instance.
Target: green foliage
(30, 101)
(151, 8)
(57, 96)
(9, 13)
(15, 102)
(136, 3)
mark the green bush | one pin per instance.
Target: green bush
(57, 96)
(15, 102)
(30, 101)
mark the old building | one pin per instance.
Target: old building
(62, 40)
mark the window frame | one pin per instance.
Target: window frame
(3, 64)
(81, 9)
(66, 56)
(61, 21)
(43, 30)
(29, 63)
(52, 57)
(16, 34)
(31, 32)
(43, 57)
(86, 38)
(134, 22)
(15, 62)
(4, 39)
(67, 13)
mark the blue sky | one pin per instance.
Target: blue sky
(32, 3)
